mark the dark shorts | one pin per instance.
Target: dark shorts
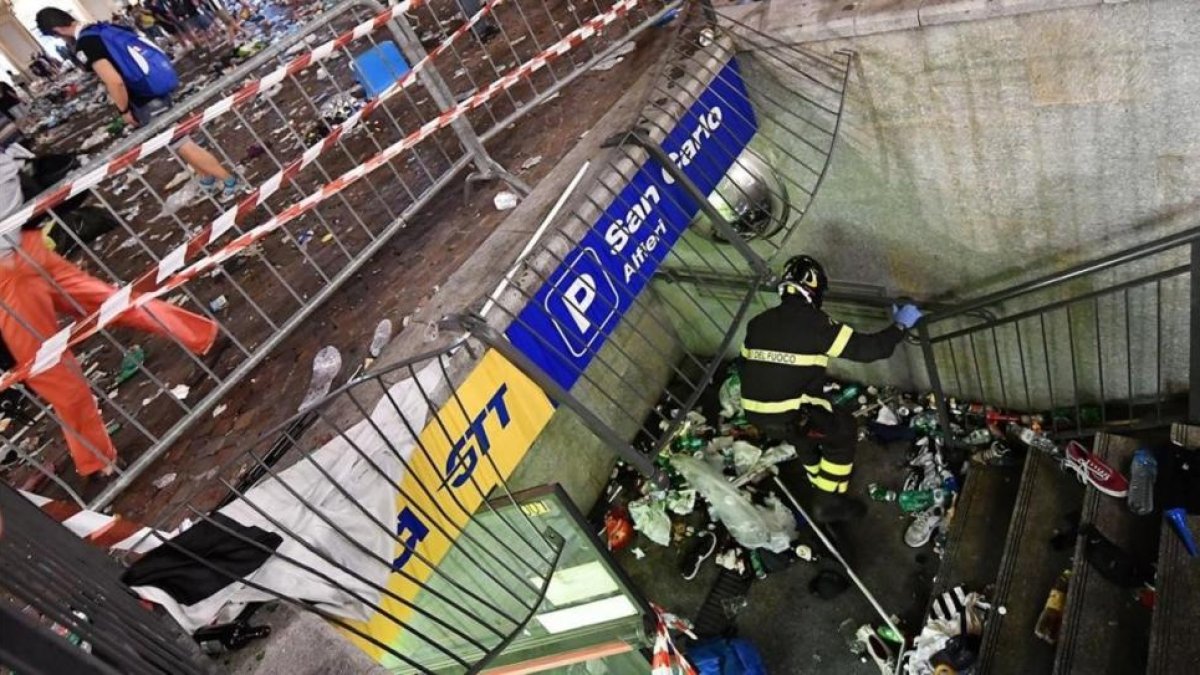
(145, 113)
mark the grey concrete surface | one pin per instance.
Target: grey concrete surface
(975, 153)
(301, 643)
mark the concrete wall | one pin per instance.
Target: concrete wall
(974, 154)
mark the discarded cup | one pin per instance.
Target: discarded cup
(505, 200)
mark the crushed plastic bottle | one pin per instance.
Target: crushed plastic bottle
(383, 334)
(848, 394)
(130, 363)
(1141, 485)
(1035, 440)
(912, 501)
(326, 365)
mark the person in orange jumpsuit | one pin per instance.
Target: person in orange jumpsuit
(35, 285)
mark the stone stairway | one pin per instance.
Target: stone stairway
(1007, 539)
(1104, 629)
(1047, 497)
(1175, 631)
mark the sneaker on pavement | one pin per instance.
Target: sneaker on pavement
(923, 526)
(702, 547)
(208, 186)
(1094, 471)
(231, 189)
(835, 508)
(876, 649)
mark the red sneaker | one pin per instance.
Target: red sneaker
(1094, 471)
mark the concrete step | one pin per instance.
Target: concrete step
(1104, 629)
(975, 540)
(1175, 632)
(1028, 569)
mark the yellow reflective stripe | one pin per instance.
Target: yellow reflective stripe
(814, 469)
(827, 485)
(773, 407)
(836, 469)
(840, 342)
(785, 358)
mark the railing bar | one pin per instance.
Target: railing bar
(1045, 309)
(1049, 373)
(1074, 371)
(999, 368)
(1158, 357)
(1100, 360)
(1024, 371)
(1128, 355)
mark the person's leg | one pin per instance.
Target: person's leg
(203, 161)
(836, 434)
(195, 332)
(26, 319)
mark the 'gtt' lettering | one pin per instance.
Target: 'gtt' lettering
(410, 531)
(465, 454)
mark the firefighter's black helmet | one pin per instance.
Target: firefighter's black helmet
(804, 275)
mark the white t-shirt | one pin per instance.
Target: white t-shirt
(12, 159)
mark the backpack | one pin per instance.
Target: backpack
(146, 70)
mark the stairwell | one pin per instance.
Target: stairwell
(1016, 528)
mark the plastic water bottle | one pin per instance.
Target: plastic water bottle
(1141, 487)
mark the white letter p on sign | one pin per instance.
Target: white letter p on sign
(579, 297)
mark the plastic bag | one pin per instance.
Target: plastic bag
(681, 502)
(781, 525)
(751, 526)
(730, 395)
(651, 519)
(745, 457)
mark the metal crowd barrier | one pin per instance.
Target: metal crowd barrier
(334, 175)
(680, 226)
(387, 514)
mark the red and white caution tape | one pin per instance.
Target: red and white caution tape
(187, 125)
(111, 533)
(171, 274)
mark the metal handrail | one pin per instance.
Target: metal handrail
(1131, 254)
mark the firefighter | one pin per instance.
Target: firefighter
(786, 352)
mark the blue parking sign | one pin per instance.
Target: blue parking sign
(582, 302)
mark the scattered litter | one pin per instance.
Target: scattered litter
(219, 409)
(98, 138)
(130, 362)
(617, 57)
(218, 303)
(164, 480)
(505, 200)
(327, 238)
(326, 365)
(650, 518)
(178, 179)
(181, 391)
(531, 162)
(638, 553)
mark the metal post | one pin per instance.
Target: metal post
(478, 327)
(639, 138)
(935, 381)
(439, 91)
(1194, 337)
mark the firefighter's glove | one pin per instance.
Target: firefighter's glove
(906, 316)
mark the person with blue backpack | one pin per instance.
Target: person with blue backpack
(139, 78)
